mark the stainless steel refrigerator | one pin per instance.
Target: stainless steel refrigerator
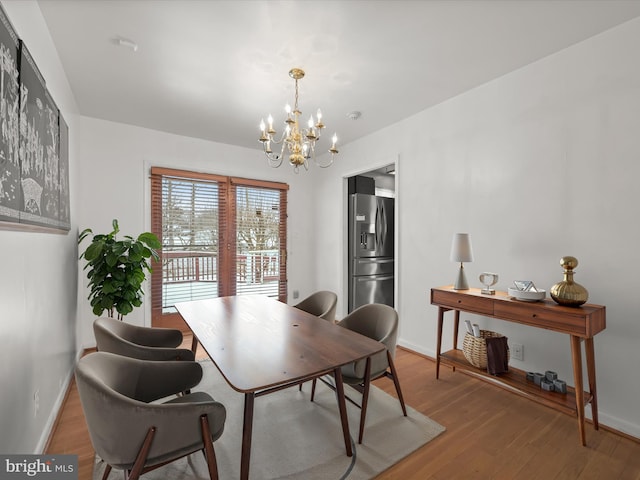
(371, 260)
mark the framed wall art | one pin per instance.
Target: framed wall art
(10, 189)
(34, 144)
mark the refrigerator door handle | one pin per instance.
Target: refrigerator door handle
(377, 224)
(383, 225)
(379, 220)
(368, 278)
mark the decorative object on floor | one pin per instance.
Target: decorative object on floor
(117, 269)
(461, 252)
(300, 439)
(299, 143)
(488, 279)
(568, 292)
(475, 348)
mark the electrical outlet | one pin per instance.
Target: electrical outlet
(296, 294)
(36, 402)
(517, 351)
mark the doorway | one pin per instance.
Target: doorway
(371, 235)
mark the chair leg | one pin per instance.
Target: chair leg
(396, 382)
(210, 453)
(313, 388)
(107, 471)
(365, 398)
(138, 466)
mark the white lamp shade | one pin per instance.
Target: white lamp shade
(461, 248)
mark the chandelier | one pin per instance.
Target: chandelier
(296, 142)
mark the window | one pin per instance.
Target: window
(220, 236)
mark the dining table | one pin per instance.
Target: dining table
(261, 345)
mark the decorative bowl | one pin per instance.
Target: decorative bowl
(528, 296)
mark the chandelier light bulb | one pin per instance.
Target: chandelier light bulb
(262, 126)
(319, 115)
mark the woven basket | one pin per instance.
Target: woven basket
(475, 348)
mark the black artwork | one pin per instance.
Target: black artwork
(34, 150)
(65, 212)
(9, 107)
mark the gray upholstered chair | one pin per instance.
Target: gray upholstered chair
(128, 431)
(379, 322)
(145, 343)
(321, 304)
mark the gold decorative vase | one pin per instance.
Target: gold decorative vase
(568, 292)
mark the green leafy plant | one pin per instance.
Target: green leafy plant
(117, 269)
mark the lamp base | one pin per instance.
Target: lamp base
(461, 280)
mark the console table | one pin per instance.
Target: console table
(580, 323)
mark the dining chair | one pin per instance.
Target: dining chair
(379, 322)
(128, 431)
(145, 343)
(321, 304)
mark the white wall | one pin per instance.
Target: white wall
(114, 166)
(38, 282)
(541, 163)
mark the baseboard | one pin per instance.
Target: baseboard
(619, 427)
(412, 347)
(56, 411)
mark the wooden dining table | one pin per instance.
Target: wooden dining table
(261, 346)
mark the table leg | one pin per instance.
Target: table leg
(247, 428)
(576, 356)
(194, 343)
(456, 324)
(337, 373)
(439, 340)
(365, 398)
(591, 373)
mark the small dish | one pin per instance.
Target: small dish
(528, 296)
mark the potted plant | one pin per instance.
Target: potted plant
(117, 269)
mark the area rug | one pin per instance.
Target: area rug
(294, 438)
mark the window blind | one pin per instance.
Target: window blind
(220, 236)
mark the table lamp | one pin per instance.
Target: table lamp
(461, 252)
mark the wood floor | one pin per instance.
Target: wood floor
(491, 433)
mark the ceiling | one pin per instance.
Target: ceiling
(213, 69)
